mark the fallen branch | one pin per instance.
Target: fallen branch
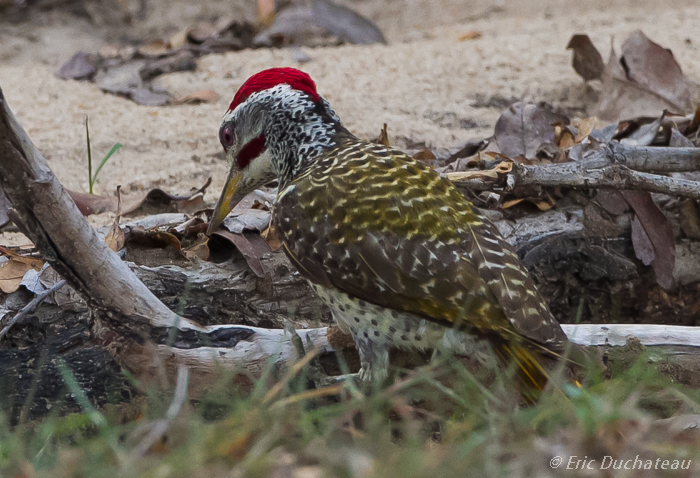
(613, 166)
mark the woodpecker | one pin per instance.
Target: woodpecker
(399, 255)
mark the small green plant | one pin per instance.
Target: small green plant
(93, 177)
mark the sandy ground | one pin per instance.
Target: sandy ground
(426, 84)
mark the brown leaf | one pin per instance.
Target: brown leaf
(645, 80)
(270, 235)
(200, 96)
(586, 60)
(695, 122)
(643, 248)
(266, 12)
(654, 67)
(655, 230)
(12, 271)
(523, 127)
(585, 128)
(424, 155)
(200, 249)
(566, 140)
(115, 236)
(383, 137)
(251, 245)
(155, 48)
(153, 238)
(611, 201)
(470, 35)
(689, 219)
(31, 262)
(153, 202)
(11, 274)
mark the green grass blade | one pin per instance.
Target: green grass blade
(102, 163)
(89, 151)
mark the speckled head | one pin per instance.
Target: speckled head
(275, 125)
(266, 79)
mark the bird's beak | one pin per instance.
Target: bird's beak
(227, 201)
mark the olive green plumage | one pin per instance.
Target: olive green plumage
(370, 225)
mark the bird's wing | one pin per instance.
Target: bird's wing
(380, 226)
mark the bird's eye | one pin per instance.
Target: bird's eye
(226, 136)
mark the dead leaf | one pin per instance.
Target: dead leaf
(31, 262)
(11, 274)
(81, 66)
(611, 201)
(512, 202)
(115, 237)
(153, 238)
(654, 228)
(695, 122)
(154, 201)
(122, 79)
(178, 39)
(586, 60)
(251, 245)
(182, 61)
(308, 24)
(522, 128)
(654, 67)
(270, 235)
(266, 12)
(251, 220)
(345, 23)
(689, 219)
(469, 149)
(677, 140)
(470, 35)
(643, 81)
(643, 248)
(154, 49)
(424, 155)
(200, 96)
(146, 97)
(566, 139)
(13, 269)
(383, 137)
(202, 31)
(585, 128)
(645, 134)
(199, 250)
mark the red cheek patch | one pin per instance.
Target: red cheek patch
(250, 151)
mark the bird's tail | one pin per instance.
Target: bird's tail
(531, 373)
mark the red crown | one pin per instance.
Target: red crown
(266, 79)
